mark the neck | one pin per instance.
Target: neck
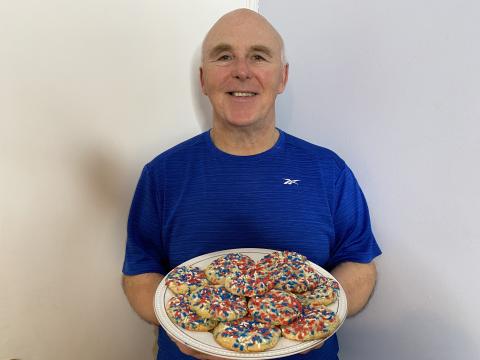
(244, 142)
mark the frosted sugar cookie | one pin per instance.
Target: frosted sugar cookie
(250, 283)
(297, 277)
(184, 279)
(215, 302)
(246, 335)
(314, 323)
(229, 264)
(178, 310)
(322, 295)
(331, 283)
(272, 261)
(292, 257)
(277, 307)
(326, 293)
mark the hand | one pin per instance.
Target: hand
(196, 354)
(314, 348)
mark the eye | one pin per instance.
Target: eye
(225, 57)
(258, 57)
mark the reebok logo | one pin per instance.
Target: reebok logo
(290, 182)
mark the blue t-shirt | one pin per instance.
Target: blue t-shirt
(195, 199)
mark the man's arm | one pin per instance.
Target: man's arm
(358, 281)
(140, 292)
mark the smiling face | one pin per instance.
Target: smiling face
(242, 70)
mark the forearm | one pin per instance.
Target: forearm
(358, 281)
(140, 292)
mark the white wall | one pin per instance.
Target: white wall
(394, 88)
(89, 92)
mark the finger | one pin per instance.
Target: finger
(186, 350)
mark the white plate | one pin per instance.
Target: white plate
(204, 342)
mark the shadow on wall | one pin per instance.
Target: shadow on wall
(106, 179)
(108, 185)
(155, 345)
(200, 102)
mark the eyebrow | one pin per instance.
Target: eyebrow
(218, 49)
(262, 48)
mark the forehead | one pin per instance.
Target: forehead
(243, 33)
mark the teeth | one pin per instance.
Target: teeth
(237, 93)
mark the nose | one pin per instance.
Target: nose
(241, 70)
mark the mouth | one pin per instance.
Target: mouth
(242, 93)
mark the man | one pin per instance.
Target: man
(246, 183)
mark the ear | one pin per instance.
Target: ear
(284, 81)
(202, 81)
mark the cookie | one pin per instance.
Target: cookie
(296, 277)
(330, 282)
(230, 264)
(326, 293)
(313, 324)
(246, 335)
(250, 283)
(184, 279)
(272, 261)
(215, 302)
(322, 295)
(277, 307)
(178, 310)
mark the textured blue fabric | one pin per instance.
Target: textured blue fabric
(194, 199)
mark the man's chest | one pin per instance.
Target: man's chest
(275, 207)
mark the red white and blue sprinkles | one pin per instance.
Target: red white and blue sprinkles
(276, 307)
(314, 323)
(231, 264)
(250, 283)
(297, 278)
(250, 305)
(215, 302)
(184, 279)
(324, 294)
(178, 310)
(246, 335)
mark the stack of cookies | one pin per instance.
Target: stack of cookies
(249, 305)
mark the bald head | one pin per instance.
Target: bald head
(244, 23)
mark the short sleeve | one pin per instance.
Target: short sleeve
(144, 243)
(354, 240)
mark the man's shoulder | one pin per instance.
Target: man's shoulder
(181, 151)
(313, 151)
